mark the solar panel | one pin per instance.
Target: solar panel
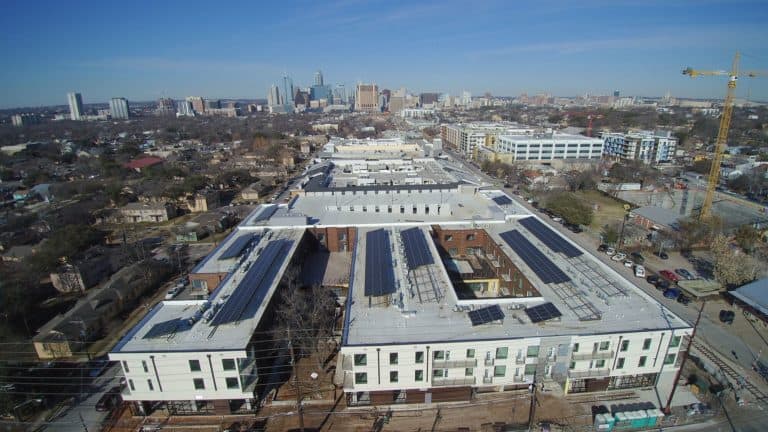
(379, 275)
(238, 246)
(549, 237)
(545, 269)
(252, 290)
(502, 200)
(265, 213)
(417, 251)
(543, 312)
(486, 315)
(164, 328)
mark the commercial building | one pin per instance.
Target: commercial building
(198, 104)
(25, 119)
(467, 138)
(75, 106)
(448, 290)
(273, 96)
(288, 93)
(428, 98)
(544, 147)
(136, 212)
(118, 108)
(367, 97)
(166, 106)
(184, 108)
(646, 146)
(319, 78)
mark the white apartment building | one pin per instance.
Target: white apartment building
(547, 147)
(468, 138)
(646, 146)
(450, 290)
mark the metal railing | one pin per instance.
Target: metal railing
(592, 373)
(446, 364)
(598, 355)
(442, 382)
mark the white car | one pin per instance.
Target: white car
(619, 256)
(173, 292)
(610, 251)
(639, 271)
(628, 263)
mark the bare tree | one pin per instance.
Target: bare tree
(732, 268)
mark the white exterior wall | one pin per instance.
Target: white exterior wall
(525, 148)
(176, 378)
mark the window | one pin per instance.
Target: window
(533, 351)
(675, 342)
(438, 355)
(440, 373)
(125, 366)
(232, 383)
(361, 359)
(530, 369)
(419, 375)
(572, 365)
(130, 384)
(448, 238)
(361, 378)
(599, 363)
(470, 353)
(393, 358)
(647, 344)
(499, 371)
(575, 347)
(670, 359)
(642, 361)
(149, 385)
(620, 363)
(604, 345)
(144, 365)
(194, 365)
(199, 384)
(228, 364)
(624, 345)
(502, 352)
(468, 371)
(419, 356)
(393, 376)
(470, 237)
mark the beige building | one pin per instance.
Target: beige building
(147, 212)
(367, 97)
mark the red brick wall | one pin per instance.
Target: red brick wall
(211, 279)
(332, 238)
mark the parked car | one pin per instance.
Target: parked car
(610, 251)
(727, 316)
(663, 285)
(602, 248)
(557, 219)
(683, 299)
(663, 255)
(685, 273)
(619, 256)
(652, 279)
(637, 257)
(672, 293)
(669, 275)
(574, 228)
(173, 292)
(639, 271)
(628, 263)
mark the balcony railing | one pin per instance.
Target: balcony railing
(447, 364)
(489, 362)
(592, 373)
(442, 382)
(598, 355)
(487, 380)
(520, 360)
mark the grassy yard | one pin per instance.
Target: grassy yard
(607, 210)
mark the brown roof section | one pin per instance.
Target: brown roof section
(143, 162)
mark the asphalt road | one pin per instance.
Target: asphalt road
(83, 415)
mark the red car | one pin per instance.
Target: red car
(669, 275)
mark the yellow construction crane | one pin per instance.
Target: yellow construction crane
(725, 123)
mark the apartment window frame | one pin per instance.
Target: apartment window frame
(499, 371)
(150, 386)
(198, 383)
(418, 375)
(228, 364)
(394, 376)
(232, 383)
(419, 356)
(438, 355)
(470, 353)
(145, 366)
(620, 363)
(575, 347)
(624, 345)
(502, 353)
(361, 359)
(647, 342)
(599, 363)
(469, 371)
(125, 366)
(604, 345)
(642, 361)
(361, 377)
(675, 341)
(194, 366)
(670, 359)
(131, 385)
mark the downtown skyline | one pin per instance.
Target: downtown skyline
(594, 47)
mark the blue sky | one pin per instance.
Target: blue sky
(143, 50)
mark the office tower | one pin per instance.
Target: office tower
(466, 98)
(273, 96)
(185, 109)
(367, 97)
(428, 98)
(340, 94)
(165, 106)
(118, 108)
(318, 92)
(212, 104)
(616, 93)
(75, 106)
(288, 93)
(198, 104)
(25, 119)
(318, 78)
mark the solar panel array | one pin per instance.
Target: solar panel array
(379, 275)
(265, 213)
(545, 269)
(502, 200)
(549, 237)
(486, 315)
(164, 328)
(238, 246)
(543, 312)
(417, 251)
(254, 287)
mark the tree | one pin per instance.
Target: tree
(702, 166)
(570, 208)
(692, 231)
(731, 268)
(746, 236)
(610, 234)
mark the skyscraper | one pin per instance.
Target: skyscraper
(340, 94)
(198, 104)
(75, 106)
(185, 109)
(118, 108)
(318, 78)
(288, 93)
(165, 106)
(273, 96)
(367, 97)
(466, 98)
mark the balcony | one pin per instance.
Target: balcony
(444, 382)
(487, 380)
(489, 362)
(598, 355)
(519, 360)
(447, 364)
(592, 373)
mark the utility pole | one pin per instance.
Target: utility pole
(532, 410)
(299, 395)
(82, 420)
(667, 408)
